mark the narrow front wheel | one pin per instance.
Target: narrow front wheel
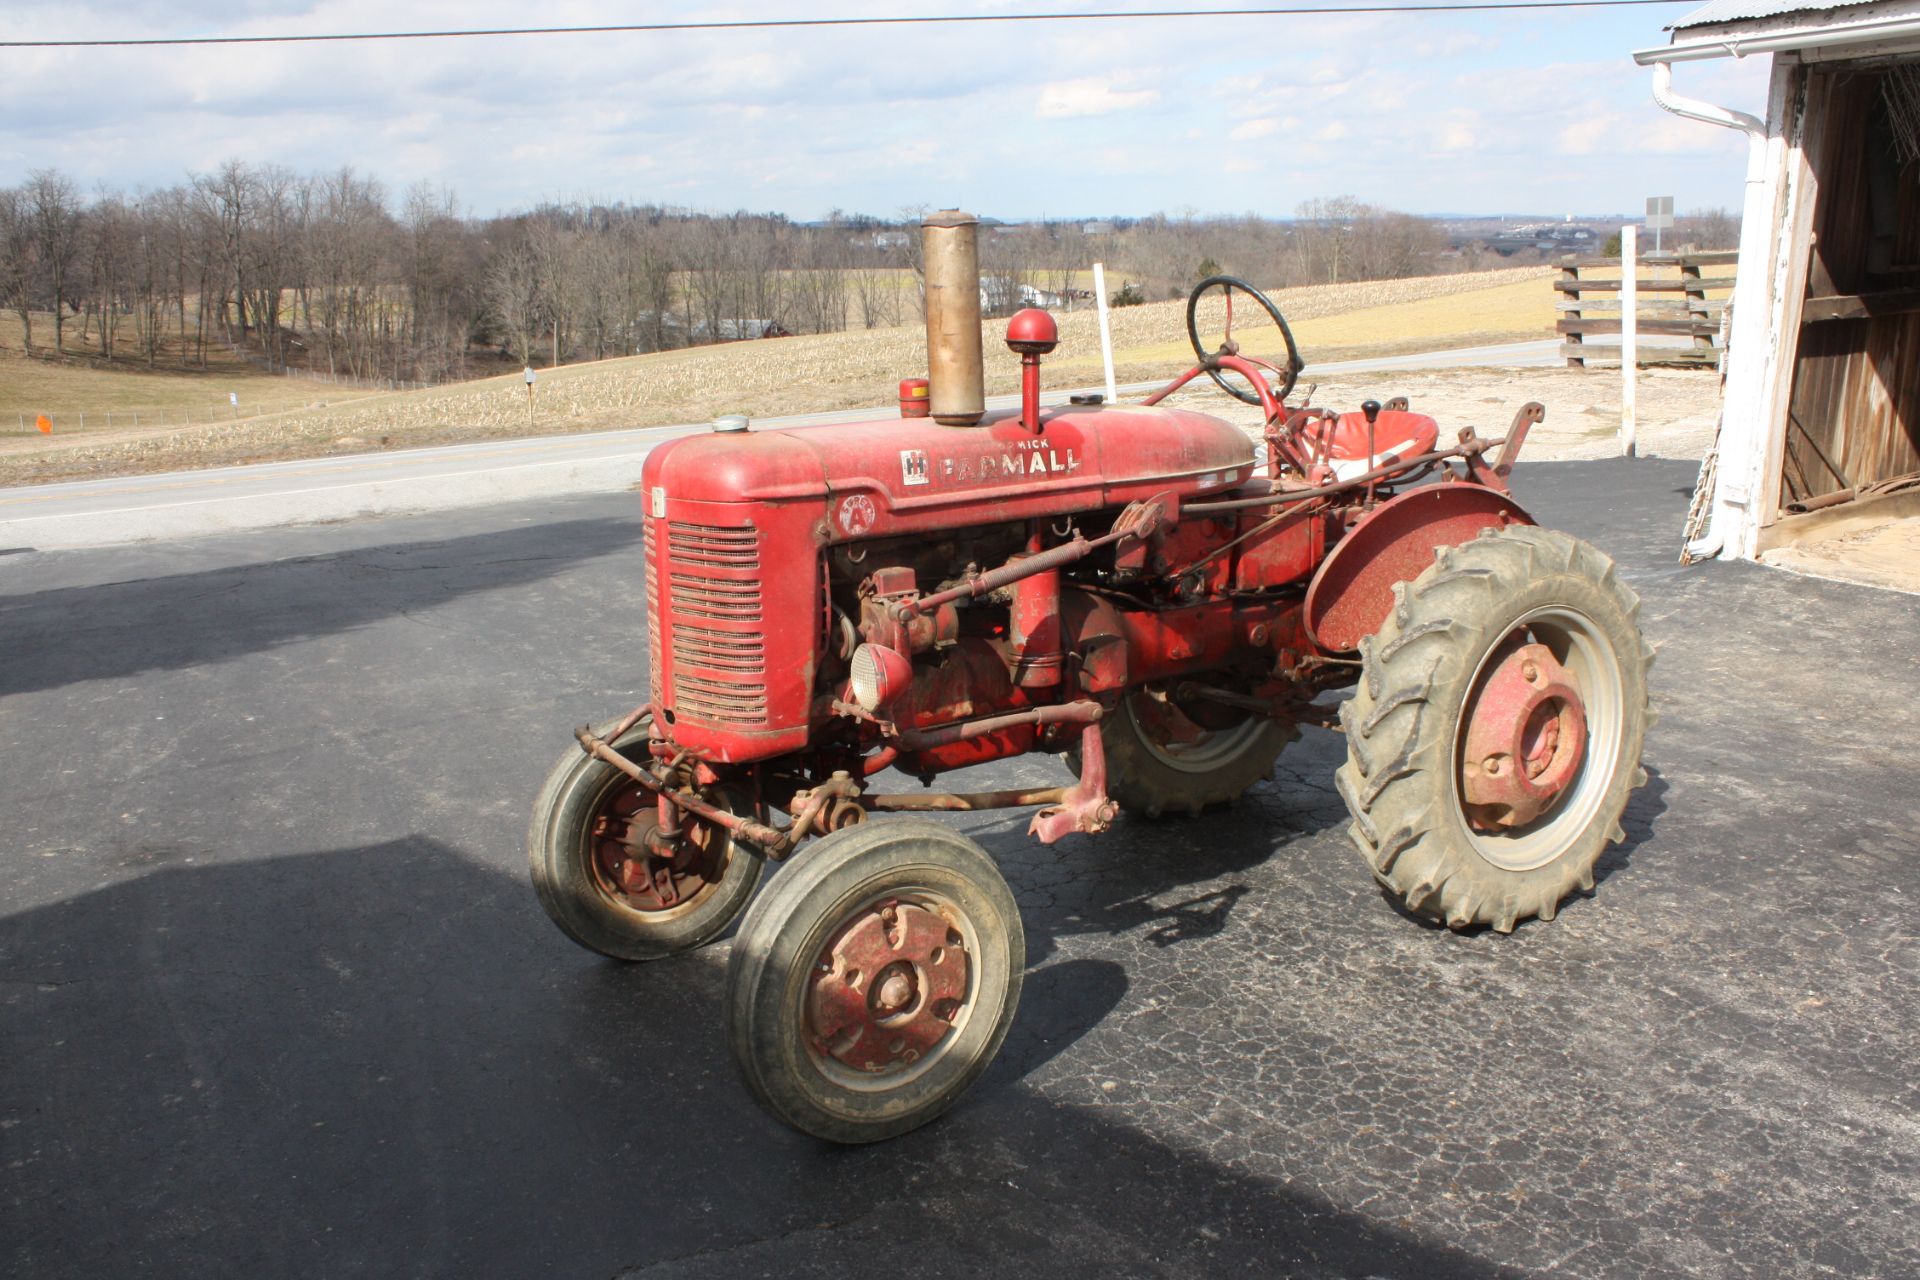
(875, 980)
(611, 891)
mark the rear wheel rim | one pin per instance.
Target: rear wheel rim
(1175, 741)
(1594, 669)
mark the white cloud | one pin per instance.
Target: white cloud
(1613, 133)
(1423, 113)
(1090, 97)
(1584, 137)
(1458, 131)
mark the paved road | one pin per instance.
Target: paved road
(192, 504)
(275, 998)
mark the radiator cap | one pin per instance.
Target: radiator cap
(731, 422)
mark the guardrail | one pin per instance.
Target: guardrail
(1589, 306)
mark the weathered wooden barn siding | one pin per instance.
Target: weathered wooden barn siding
(1856, 392)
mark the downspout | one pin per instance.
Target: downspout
(1749, 292)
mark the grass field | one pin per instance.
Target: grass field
(111, 394)
(774, 376)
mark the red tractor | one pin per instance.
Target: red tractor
(1124, 584)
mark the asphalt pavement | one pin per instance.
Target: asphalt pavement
(277, 1000)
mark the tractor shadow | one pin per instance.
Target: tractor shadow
(1171, 880)
(383, 1059)
(1644, 807)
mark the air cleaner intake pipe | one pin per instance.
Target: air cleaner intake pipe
(950, 253)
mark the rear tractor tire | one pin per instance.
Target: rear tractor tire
(598, 882)
(875, 980)
(1161, 759)
(1497, 728)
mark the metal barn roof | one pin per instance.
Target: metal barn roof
(1717, 11)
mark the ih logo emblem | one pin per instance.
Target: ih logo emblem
(914, 467)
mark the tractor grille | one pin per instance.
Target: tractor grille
(709, 547)
(698, 596)
(653, 613)
(717, 644)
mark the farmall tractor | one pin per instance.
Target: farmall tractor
(1125, 585)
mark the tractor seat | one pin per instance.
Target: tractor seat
(1396, 434)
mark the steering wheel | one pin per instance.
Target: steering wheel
(1228, 347)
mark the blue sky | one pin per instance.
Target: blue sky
(1488, 113)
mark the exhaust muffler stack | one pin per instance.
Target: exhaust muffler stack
(950, 252)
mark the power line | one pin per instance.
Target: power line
(763, 24)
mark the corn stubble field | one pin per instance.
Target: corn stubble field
(794, 375)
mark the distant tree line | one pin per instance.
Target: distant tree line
(328, 272)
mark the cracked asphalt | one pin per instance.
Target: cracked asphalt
(276, 999)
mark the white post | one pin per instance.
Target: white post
(1629, 338)
(1106, 331)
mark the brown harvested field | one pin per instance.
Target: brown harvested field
(796, 375)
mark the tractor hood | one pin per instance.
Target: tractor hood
(901, 475)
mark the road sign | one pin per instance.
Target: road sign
(1659, 217)
(529, 375)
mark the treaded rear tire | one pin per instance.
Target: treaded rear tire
(1404, 721)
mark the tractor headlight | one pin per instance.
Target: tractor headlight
(878, 675)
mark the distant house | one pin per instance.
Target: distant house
(1822, 381)
(701, 333)
(1000, 295)
(1096, 228)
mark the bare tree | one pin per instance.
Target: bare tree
(346, 269)
(513, 293)
(1389, 246)
(56, 223)
(270, 240)
(1327, 231)
(224, 203)
(1708, 229)
(147, 271)
(110, 233)
(442, 268)
(19, 259)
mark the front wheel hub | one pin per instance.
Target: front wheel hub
(1526, 738)
(888, 987)
(643, 872)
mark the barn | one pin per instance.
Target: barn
(1820, 433)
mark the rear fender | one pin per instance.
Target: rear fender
(1352, 592)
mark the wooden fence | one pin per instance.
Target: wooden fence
(1589, 306)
